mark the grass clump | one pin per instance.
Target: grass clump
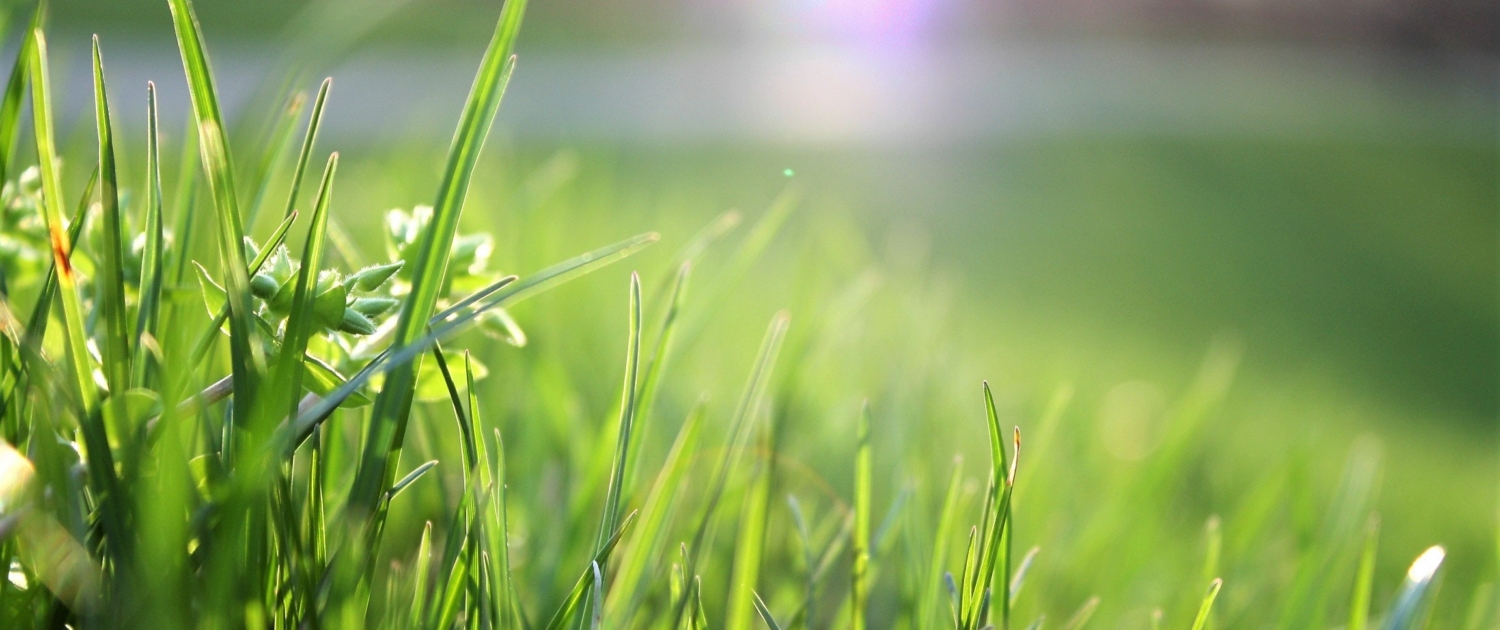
(236, 446)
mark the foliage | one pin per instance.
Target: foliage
(164, 465)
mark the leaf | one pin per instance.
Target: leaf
(213, 145)
(213, 294)
(410, 477)
(100, 468)
(286, 376)
(110, 281)
(1409, 611)
(650, 536)
(765, 613)
(580, 587)
(393, 404)
(148, 312)
(859, 569)
(305, 155)
(1364, 580)
(1207, 606)
(15, 95)
(430, 384)
(322, 379)
(611, 513)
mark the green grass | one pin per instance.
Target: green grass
(322, 429)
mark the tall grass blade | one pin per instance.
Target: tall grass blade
(1084, 614)
(305, 155)
(101, 468)
(575, 596)
(765, 613)
(15, 94)
(650, 536)
(420, 573)
(110, 283)
(627, 415)
(747, 409)
(286, 377)
(927, 600)
(750, 541)
(393, 405)
(1409, 611)
(1206, 608)
(149, 309)
(651, 382)
(1364, 577)
(273, 154)
(213, 147)
(860, 568)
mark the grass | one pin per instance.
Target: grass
(294, 439)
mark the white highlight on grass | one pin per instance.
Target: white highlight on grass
(1426, 564)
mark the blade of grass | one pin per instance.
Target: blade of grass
(927, 601)
(110, 283)
(747, 409)
(1364, 577)
(273, 154)
(419, 578)
(148, 312)
(750, 541)
(860, 568)
(15, 94)
(650, 536)
(393, 406)
(305, 155)
(286, 377)
(36, 327)
(1086, 612)
(101, 469)
(213, 145)
(1201, 621)
(1408, 612)
(580, 587)
(765, 613)
(651, 382)
(627, 415)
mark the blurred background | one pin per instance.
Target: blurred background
(1097, 192)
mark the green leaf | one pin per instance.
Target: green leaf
(611, 513)
(928, 599)
(305, 155)
(393, 404)
(15, 94)
(273, 154)
(321, 379)
(286, 377)
(650, 537)
(750, 540)
(765, 613)
(148, 312)
(1207, 606)
(213, 294)
(110, 281)
(580, 587)
(1413, 603)
(860, 568)
(1364, 577)
(213, 146)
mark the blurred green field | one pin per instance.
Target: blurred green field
(1225, 356)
